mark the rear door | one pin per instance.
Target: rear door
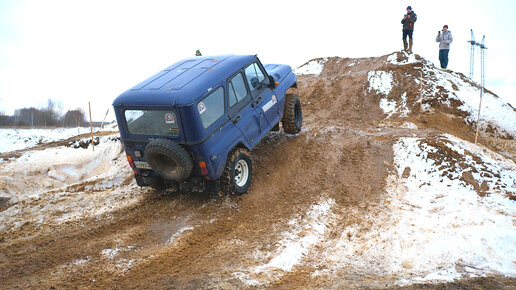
(243, 111)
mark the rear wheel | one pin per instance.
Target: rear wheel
(168, 159)
(292, 116)
(237, 176)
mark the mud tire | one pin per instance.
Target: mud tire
(238, 173)
(292, 116)
(169, 159)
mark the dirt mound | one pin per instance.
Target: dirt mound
(327, 208)
(397, 88)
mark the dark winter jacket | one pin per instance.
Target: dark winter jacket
(444, 40)
(408, 24)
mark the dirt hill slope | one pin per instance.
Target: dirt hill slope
(390, 90)
(360, 198)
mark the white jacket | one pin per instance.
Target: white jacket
(444, 40)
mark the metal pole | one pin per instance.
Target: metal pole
(471, 55)
(102, 125)
(91, 129)
(482, 82)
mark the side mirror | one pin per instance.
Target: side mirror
(272, 83)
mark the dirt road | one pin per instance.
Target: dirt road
(306, 189)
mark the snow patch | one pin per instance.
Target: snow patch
(313, 67)
(295, 244)
(434, 226)
(47, 186)
(380, 81)
(409, 125)
(17, 139)
(387, 106)
(409, 58)
(494, 110)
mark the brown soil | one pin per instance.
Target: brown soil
(344, 153)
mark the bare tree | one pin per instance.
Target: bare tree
(74, 118)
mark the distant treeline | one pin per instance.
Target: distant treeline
(50, 116)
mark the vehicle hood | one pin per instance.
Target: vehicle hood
(278, 71)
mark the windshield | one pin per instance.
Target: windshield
(152, 122)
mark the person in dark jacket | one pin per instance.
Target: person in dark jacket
(408, 28)
(444, 39)
(198, 53)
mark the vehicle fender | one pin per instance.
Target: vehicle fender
(282, 88)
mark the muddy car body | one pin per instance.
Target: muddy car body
(198, 119)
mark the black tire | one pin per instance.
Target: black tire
(236, 179)
(292, 116)
(168, 159)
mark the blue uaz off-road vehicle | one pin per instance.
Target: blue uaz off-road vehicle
(196, 121)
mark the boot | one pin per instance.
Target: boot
(410, 46)
(405, 45)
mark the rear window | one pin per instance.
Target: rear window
(152, 122)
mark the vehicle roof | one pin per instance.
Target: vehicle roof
(184, 82)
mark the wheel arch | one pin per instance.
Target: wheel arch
(238, 144)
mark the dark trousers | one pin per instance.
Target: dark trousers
(407, 33)
(443, 57)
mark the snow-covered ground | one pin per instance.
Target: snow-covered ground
(16, 139)
(435, 226)
(494, 110)
(313, 67)
(47, 186)
(449, 213)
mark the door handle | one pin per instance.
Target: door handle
(257, 102)
(236, 119)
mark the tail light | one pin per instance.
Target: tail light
(204, 169)
(131, 162)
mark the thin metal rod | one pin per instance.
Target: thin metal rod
(471, 55)
(482, 82)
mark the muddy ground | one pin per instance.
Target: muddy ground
(201, 240)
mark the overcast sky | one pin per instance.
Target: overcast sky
(80, 51)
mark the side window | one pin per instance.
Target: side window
(211, 108)
(254, 76)
(236, 90)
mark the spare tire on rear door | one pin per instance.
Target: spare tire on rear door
(168, 159)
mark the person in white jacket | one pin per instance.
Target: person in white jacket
(444, 39)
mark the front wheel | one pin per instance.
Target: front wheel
(237, 176)
(292, 115)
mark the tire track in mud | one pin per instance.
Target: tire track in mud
(216, 234)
